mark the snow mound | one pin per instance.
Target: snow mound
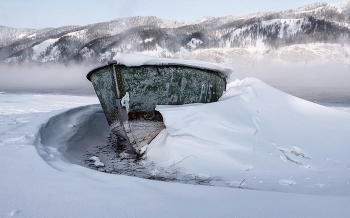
(255, 133)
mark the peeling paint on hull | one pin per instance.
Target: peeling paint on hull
(147, 86)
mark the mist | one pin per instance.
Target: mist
(54, 78)
(320, 83)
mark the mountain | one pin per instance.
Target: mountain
(314, 32)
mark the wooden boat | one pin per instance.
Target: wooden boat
(130, 87)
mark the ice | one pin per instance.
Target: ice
(97, 162)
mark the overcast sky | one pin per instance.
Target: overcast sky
(55, 13)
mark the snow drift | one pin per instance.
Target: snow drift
(31, 188)
(254, 137)
(255, 133)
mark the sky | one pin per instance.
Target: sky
(56, 13)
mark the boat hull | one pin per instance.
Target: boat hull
(129, 95)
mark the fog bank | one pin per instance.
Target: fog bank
(45, 79)
(323, 83)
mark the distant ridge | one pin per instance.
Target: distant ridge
(248, 38)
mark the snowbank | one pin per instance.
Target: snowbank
(29, 187)
(255, 133)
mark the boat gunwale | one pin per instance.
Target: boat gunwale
(218, 72)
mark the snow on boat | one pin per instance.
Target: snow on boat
(130, 86)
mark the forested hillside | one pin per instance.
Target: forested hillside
(318, 26)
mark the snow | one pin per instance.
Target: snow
(193, 43)
(9, 60)
(290, 26)
(149, 40)
(159, 52)
(97, 162)
(341, 6)
(42, 47)
(139, 59)
(237, 32)
(201, 20)
(311, 54)
(308, 11)
(87, 53)
(125, 101)
(260, 134)
(79, 34)
(33, 185)
(32, 36)
(22, 35)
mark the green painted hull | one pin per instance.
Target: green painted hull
(148, 86)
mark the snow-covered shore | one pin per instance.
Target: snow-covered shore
(29, 187)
